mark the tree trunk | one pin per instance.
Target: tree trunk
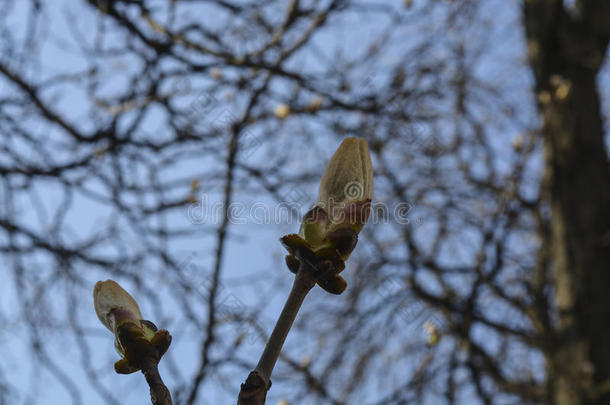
(566, 51)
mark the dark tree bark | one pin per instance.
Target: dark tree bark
(567, 48)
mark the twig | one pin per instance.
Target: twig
(159, 394)
(254, 389)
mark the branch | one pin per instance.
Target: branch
(254, 389)
(159, 394)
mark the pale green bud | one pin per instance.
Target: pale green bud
(114, 305)
(348, 177)
(344, 195)
(134, 336)
(329, 231)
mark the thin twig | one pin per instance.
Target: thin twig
(159, 394)
(254, 389)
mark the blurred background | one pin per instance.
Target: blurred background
(168, 144)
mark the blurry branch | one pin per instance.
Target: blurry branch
(32, 94)
(567, 49)
(236, 129)
(220, 243)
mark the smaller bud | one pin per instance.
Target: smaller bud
(544, 97)
(114, 305)
(518, 143)
(315, 104)
(282, 111)
(432, 333)
(216, 73)
(135, 338)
